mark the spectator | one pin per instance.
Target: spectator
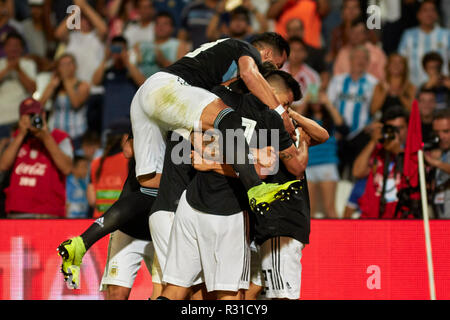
(309, 11)
(308, 79)
(432, 64)
(141, 30)
(426, 99)
(120, 79)
(359, 37)
(315, 57)
(36, 36)
(17, 81)
(194, 21)
(351, 10)
(440, 160)
(322, 169)
(351, 94)
(85, 44)
(119, 13)
(90, 145)
(7, 23)
(392, 31)
(396, 89)
(68, 95)
(239, 25)
(427, 37)
(76, 189)
(109, 172)
(40, 160)
(164, 50)
(381, 161)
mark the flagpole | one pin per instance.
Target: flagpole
(426, 224)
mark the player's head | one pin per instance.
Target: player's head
(272, 47)
(285, 87)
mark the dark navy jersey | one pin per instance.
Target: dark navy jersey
(213, 63)
(213, 193)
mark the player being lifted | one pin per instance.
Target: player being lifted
(180, 97)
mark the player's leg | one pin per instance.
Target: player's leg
(169, 100)
(256, 277)
(114, 292)
(125, 255)
(183, 265)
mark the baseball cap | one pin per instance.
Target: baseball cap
(29, 106)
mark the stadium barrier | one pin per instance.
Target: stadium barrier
(347, 259)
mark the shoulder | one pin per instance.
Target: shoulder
(371, 79)
(59, 135)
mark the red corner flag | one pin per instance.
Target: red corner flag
(413, 144)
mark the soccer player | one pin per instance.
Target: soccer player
(129, 215)
(209, 230)
(180, 97)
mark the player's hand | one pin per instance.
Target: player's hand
(289, 125)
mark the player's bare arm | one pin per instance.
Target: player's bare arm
(258, 86)
(317, 133)
(296, 159)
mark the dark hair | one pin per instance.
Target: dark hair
(424, 2)
(432, 56)
(395, 112)
(272, 39)
(166, 14)
(288, 80)
(442, 114)
(327, 119)
(90, 137)
(240, 11)
(15, 35)
(358, 21)
(426, 90)
(120, 39)
(78, 158)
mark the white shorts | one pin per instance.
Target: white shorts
(213, 245)
(164, 102)
(160, 226)
(322, 173)
(125, 255)
(277, 267)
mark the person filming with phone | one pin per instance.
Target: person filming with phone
(39, 160)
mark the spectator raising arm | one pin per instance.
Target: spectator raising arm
(97, 21)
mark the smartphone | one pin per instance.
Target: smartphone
(116, 48)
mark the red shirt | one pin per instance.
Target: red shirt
(37, 185)
(370, 200)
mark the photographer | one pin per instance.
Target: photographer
(40, 161)
(382, 162)
(439, 158)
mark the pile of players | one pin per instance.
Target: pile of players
(216, 201)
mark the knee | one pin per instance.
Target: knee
(117, 293)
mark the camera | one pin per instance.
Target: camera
(388, 133)
(432, 143)
(116, 48)
(36, 121)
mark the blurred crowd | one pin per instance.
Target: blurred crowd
(69, 70)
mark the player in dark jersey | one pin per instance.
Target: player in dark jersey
(129, 214)
(220, 198)
(180, 97)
